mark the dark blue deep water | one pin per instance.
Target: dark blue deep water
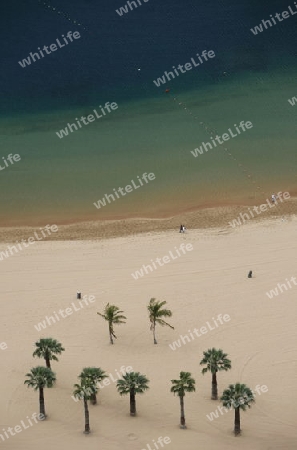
(250, 78)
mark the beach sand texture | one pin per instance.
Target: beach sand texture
(260, 338)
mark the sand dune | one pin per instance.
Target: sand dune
(260, 337)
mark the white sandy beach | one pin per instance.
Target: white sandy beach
(260, 337)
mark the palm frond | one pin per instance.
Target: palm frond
(132, 380)
(156, 313)
(184, 384)
(237, 396)
(48, 348)
(113, 314)
(215, 361)
(40, 377)
(163, 323)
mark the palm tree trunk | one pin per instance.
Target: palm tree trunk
(47, 362)
(93, 399)
(154, 333)
(132, 403)
(87, 420)
(182, 413)
(237, 422)
(41, 402)
(214, 387)
(110, 334)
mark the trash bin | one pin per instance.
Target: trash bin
(78, 295)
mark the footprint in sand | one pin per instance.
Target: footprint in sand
(132, 437)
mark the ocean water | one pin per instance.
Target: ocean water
(251, 78)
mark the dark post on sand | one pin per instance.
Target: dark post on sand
(250, 274)
(78, 295)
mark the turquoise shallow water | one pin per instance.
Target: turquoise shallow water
(58, 180)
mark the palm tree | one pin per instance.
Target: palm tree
(47, 348)
(156, 313)
(84, 391)
(240, 397)
(180, 387)
(93, 375)
(113, 316)
(215, 361)
(39, 378)
(132, 383)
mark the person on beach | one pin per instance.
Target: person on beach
(181, 229)
(273, 198)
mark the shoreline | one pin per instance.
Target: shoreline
(204, 219)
